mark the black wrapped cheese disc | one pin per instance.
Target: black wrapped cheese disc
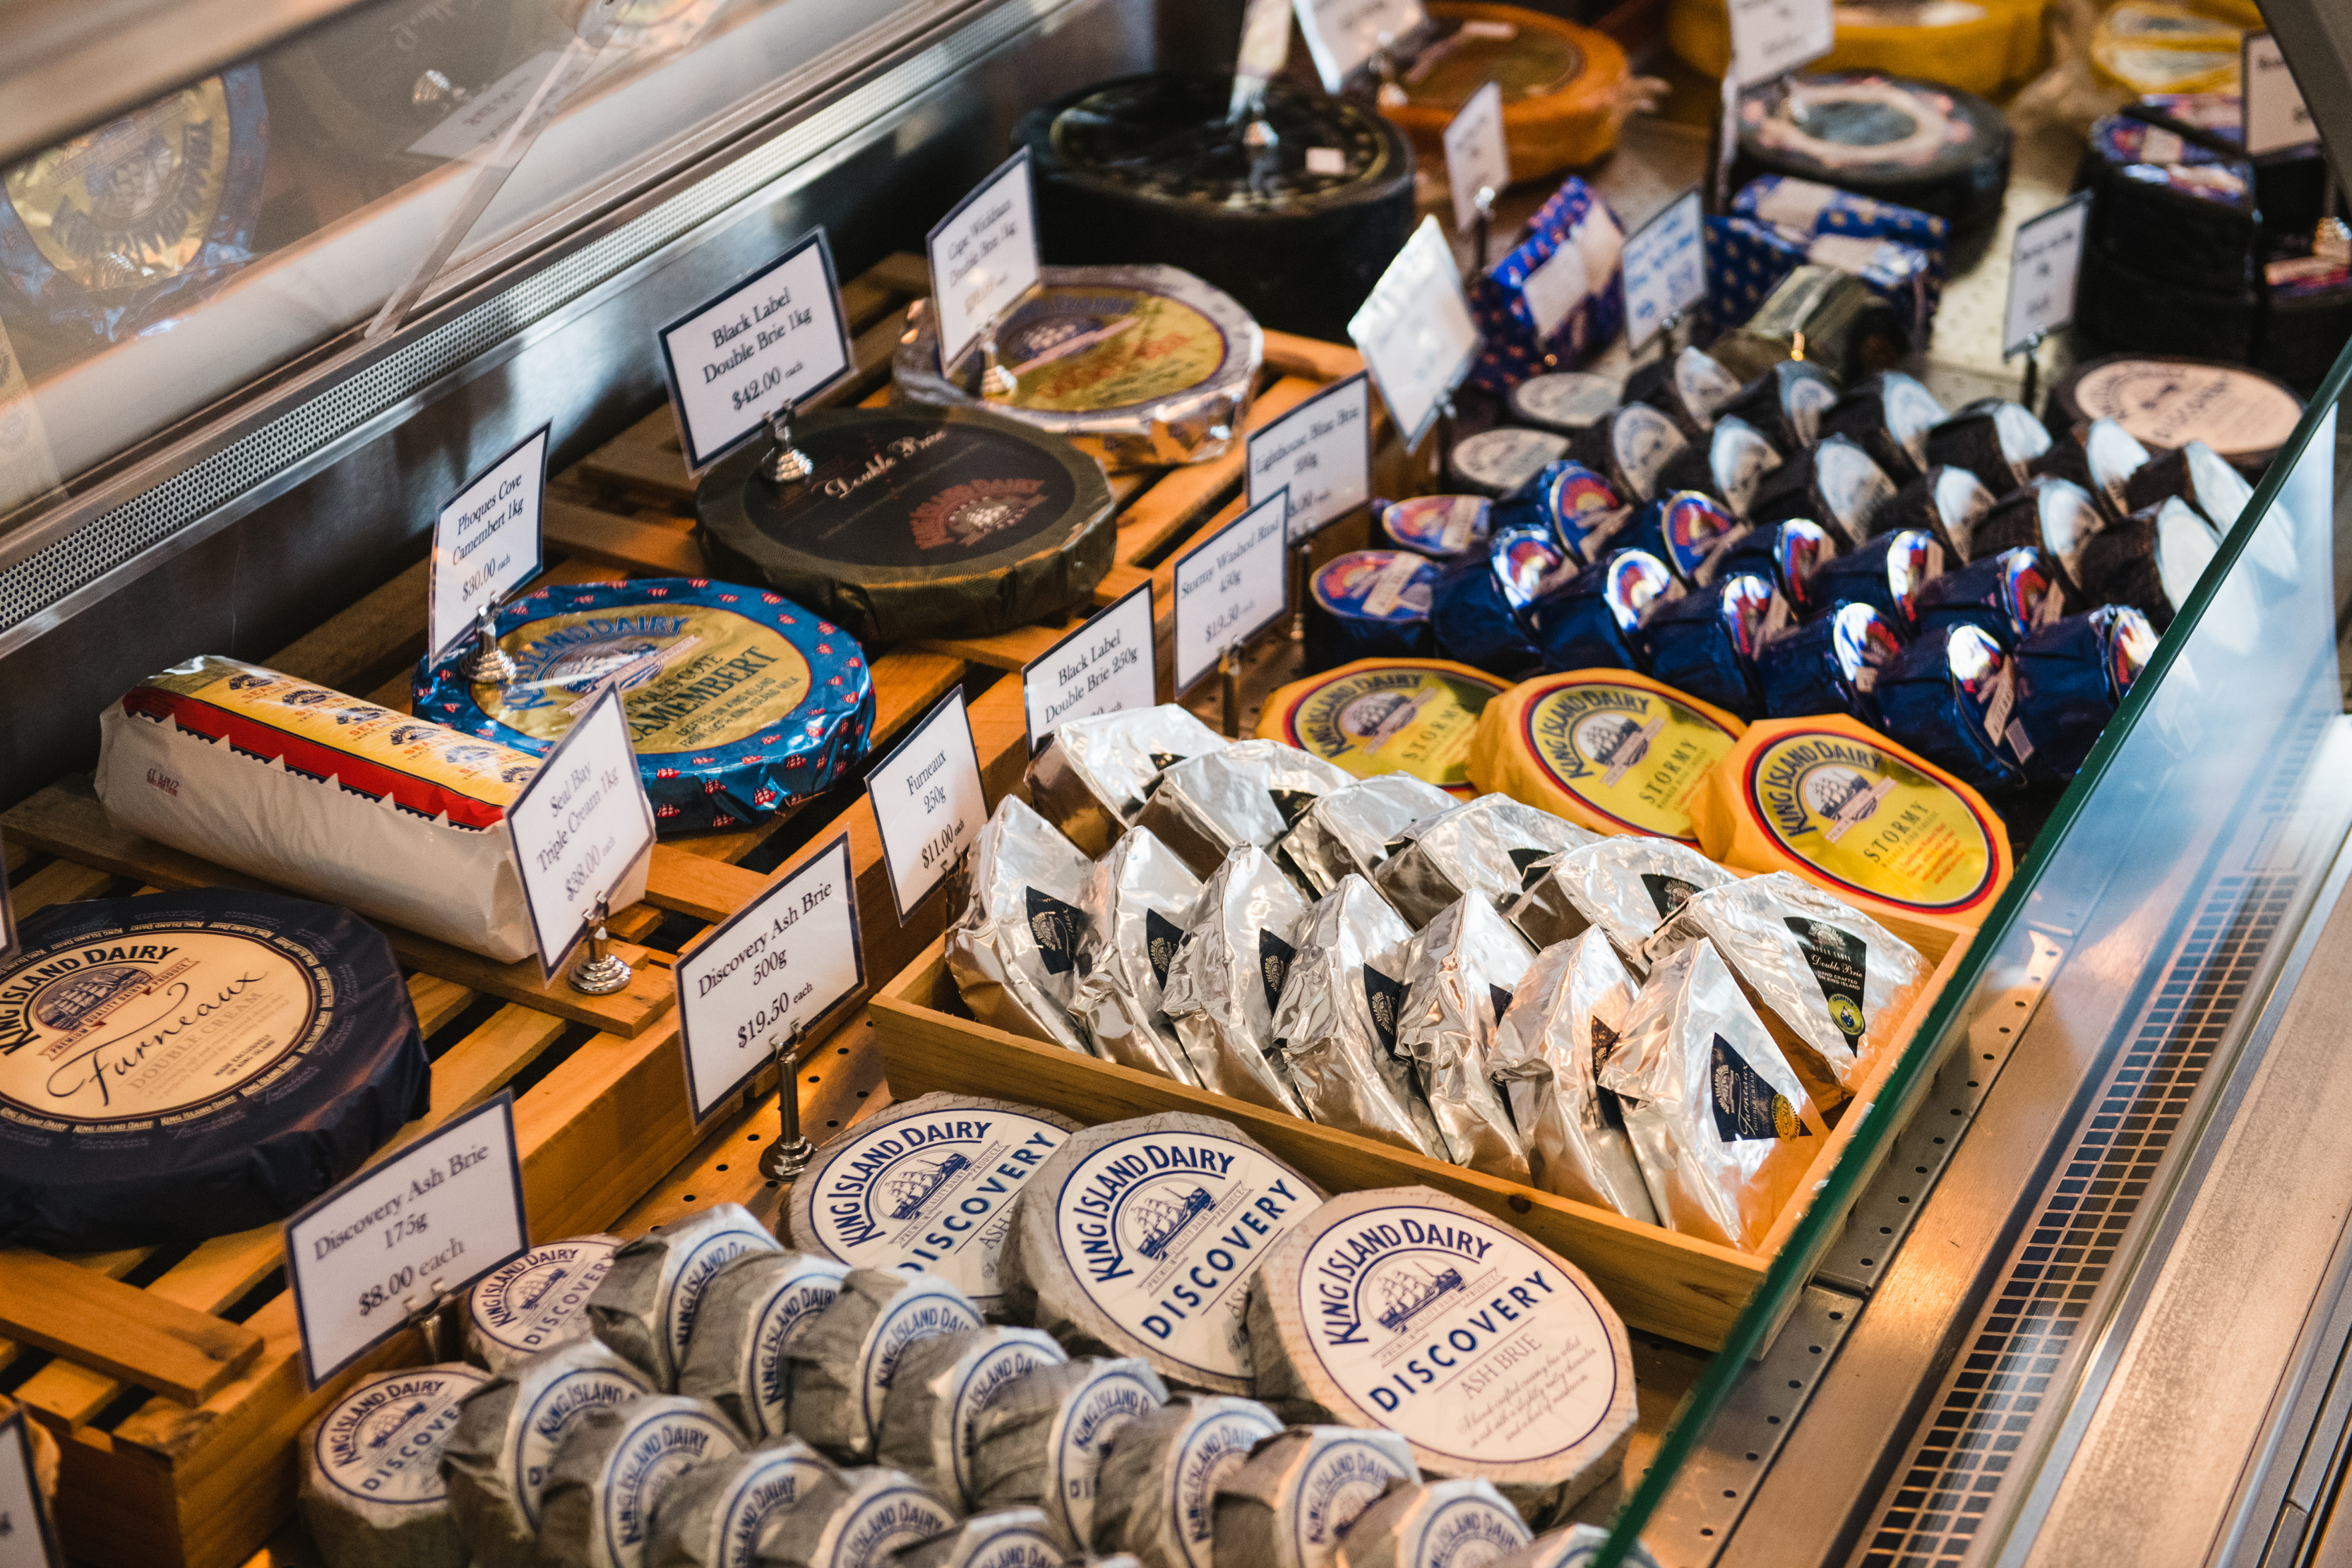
(1593, 621)
(2101, 457)
(1504, 460)
(1785, 555)
(2151, 560)
(2008, 595)
(1888, 415)
(1992, 438)
(1787, 403)
(1946, 502)
(1569, 402)
(1886, 574)
(1728, 465)
(183, 1065)
(1684, 528)
(1628, 448)
(1706, 642)
(2167, 401)
(1692, 387)
(2196, 474)
(917, 522)
(1951, 697)
(2055, 515)
(2072, 676)
(1828, 665)
(1835, 484)
(1152, 169)
(2185, 214)
(2120, 306)
(1916, 143)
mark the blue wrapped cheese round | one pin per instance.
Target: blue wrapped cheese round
(2009, 595)
(1785, 555)
(740, 700)
(1706, 642)
(1369, 604)
(1583, 511)
(2072, 676)
(1684, 528)
(1828, 665)
(1481, 608)
(1886, 573)
(1951, 696)
(1593, 621)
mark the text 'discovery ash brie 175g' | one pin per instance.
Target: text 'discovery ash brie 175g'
(371, 1490)
(644, 1305)
(536, 1302)
(751, 1312)
(497, 1461)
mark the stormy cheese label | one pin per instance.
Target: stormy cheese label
(535, 1302)
(1458, 1335)
(553, 1415)
(1162, 1231)
(1631, 755)
(1867, 820)
(382, 1444)
(1210, 1450)
(653, 1451)
(156, 1025)
(1084, 1429)
(1380, 716)
(1075, 348)
(929, 1193)
(913, 1314)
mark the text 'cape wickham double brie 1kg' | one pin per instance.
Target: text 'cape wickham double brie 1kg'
(754, 1308)
(738, 701)
(536, 1302)
(1140, 1239)
(497, 1461)
(611, 1470)
(927, 1187)
(645, 1306)
(371, 1492)
(1042, 1439)
(183, 1065)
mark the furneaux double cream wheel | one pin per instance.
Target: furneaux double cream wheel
(1493, 1356)
(1612, 750)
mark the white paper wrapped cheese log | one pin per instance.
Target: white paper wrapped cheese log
(644, 1305)
(1138, 1239)
(749, 1314)
(1294, 1496)
(873, 1513)
(372, 1491)
(1439, 1524)
(611, 1472)
(1158, 1492)
(842, 1364)
(931, 1416)
(508, 1435)
(926, 1187)
(1043, 1440)
(712, 1515)
(1009, 1537)
(536, 1302)
(1492, 1356)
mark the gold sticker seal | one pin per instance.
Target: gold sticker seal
(692, 678)
(1870, 823)
(1075, 348)
(1375, 717)
(1631, 755)
(130, 202)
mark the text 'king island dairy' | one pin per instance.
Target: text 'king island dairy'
(1492, 1356)
(371, 1490)
(536, 1302)
(644, 1307)
(497, 1461)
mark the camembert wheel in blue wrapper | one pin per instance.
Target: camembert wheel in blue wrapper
(740, 700)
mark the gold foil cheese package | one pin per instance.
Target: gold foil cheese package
(372, 1491)
(1567, 1017)
(1138, 904)
(1836, 977)
(611, 1472)
(538, 1301)
(738, 1356)
(1483, 846)
(1626, 885)
(1723, 1128)
(1227, 976)
(862, 1519)
(1093, 777)
(931, 1417)
(1249, 793)
(1042, 1440)
(498, 1461)
(844, 1362)
(1459, 973)
(713, 1515)
(1160, 1485)
(1336, 1025)
(1348, 831)
(1296, 1495)
(645, 1306)
(1014, 951)
(1433, 1525)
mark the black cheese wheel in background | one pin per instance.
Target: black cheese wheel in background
(2123, 307)
(1888, 415)
(1727, 464)
(2187, 218)
(1504, 460)
(2304, 325)
(1568, 402)
(183, 1065)
(1935, 149)
(1994, 439)
(1628, 448)
(2168, 400)
(1945, 502)
(917, 522)
(1835, 484)
(1787, 403)
(2055, 515)
(1150, 169)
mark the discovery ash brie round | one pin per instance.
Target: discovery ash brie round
(1160, 1485)
(1010, 1538)
(1296, 1494)
(753, 1310)
(859, 1519)
(645, 1304)
(536, 1302)
(508, 1435)
(1139, 1239)
(843, 1364)
(932, 1414)
(182, 1065)
(926, 1187)
(611, 1470)
(1492, 1356)
(713, 1515)
(1044, 1438)
(1441, 1524)
(372, 1491)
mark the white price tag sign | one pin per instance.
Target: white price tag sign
(1475, 157)
(1666, 269)
(29, 1538)
(426, 1222)
(1230, 587)
(733, 360)
(1322, 452)
(1266, 50)
(1342, 34)
(579, 825)
(2275, 116)
(486, 543)
(2042, 266)
(1105, 666)
(786, 958)
(927, 802)
(1772, 37)
(1416, 332)
(983, 257)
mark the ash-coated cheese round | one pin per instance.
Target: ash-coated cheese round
(1612, 750)
(931, 1417)
(1009, 1538)
(1492, 1356)
(1140, 1239)
(1044, 1438)
(644, 1305)
(1296, 1495)
(536, 1302)
(371, 1490)
(926, 1187)
(713, 1515)
(611, 1472)
(862, 1521)
(1439, 1524)
(1571, 1546)
(755, 1307)
(498, 1461)
(1160, 1485)
(181, 1065)
(843, 1364)
(1371, 716)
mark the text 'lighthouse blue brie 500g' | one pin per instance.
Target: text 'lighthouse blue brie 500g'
(1139, 1239)
(926, 1187)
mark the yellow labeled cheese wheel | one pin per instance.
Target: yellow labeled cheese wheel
(1843, 807)
(1386, 716)
(1609, 750)
(1977, 46)
(1565, 89)
(2155, 46)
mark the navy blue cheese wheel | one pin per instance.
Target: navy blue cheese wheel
(740, 700)
(1705, 642)
(1994, 439)
(1482, 609)
(1786, 555)
(2055, 515)
(1833, 483)
(2008, 595)
(183, 1065)
(1728, 465)
(1593, 621)
(1945, 502)
(1434, 525)
(916, 521)
(1917, 144)
(1951, 697)
(1504, 460)
(1888, 415)
(1370, 603)
(1787, 403)
(1682, 528)
(1886, 574)
(1568, 402)
(1828, 665)
(1583, 511)
(2072, 676)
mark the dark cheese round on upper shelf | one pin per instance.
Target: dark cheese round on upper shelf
(183, 1065)
(1916, 143)
(1787, 403)
(1992, 438)
(2122, 307)
(1153, 168)
(2055, 515)
(1690, 386)
(915, 522)
(1835, 484)
(2151, 560)
(2183, 213)
(1569, 402)
(1628, 447)
(1727, 464)
(1888, 415)
(1504, 460)
(1945, 501)
(2167, 400)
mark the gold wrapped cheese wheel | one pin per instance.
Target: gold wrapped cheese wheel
(1847, 809)
(1610, 750)
(1979, 46)
(1386, 716)
(1566, 89)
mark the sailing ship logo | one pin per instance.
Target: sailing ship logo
(1163, 1214)
(1410, 1289)
(912, 1188)
(398, 1423)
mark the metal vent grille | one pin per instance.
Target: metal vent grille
(2024, 1340)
